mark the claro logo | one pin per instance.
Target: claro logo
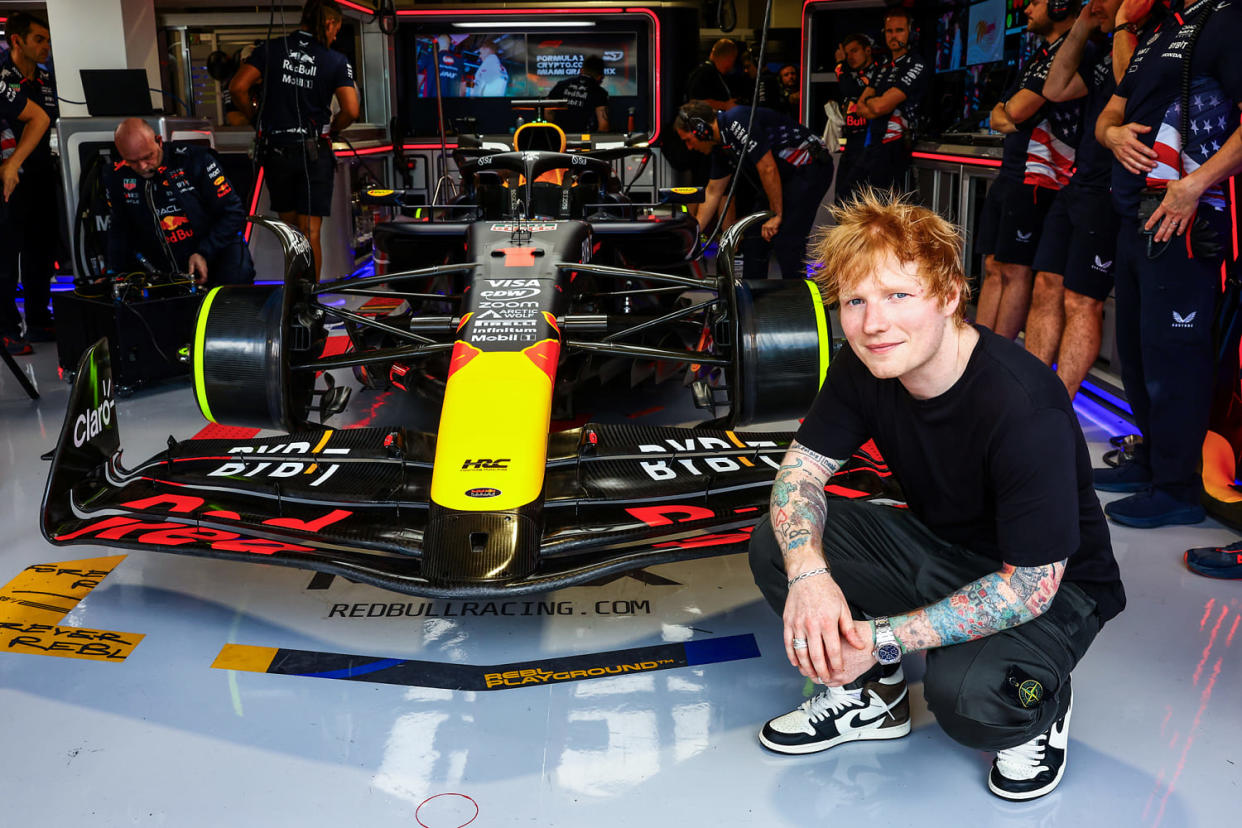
(88, 424)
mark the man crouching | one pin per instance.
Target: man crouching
(1001, 568)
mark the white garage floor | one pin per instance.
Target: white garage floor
(164, 738)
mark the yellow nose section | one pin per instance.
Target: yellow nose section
(491, 452)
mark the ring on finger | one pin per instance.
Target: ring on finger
(798, 643)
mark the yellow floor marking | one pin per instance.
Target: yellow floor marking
(32, 604)
(244, 657)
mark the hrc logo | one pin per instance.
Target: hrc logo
(486, 464)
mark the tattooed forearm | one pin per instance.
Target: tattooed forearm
(995, 602)
(799, 505)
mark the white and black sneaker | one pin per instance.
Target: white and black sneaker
(1033, 768)
(879, 709)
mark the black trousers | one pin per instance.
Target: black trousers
(802, 193)
(29, 234)
(1164, 338)
(887, 563)
(847, 172)
(883, 166)
(231, 265)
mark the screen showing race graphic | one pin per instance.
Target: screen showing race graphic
(552, 59)
(497, 65)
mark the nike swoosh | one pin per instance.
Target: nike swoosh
(859, 721)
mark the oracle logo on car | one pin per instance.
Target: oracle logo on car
(90, 423)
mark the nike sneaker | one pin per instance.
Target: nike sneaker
(879, 709)
(1033, 768)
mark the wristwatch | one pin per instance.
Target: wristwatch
(886, 649)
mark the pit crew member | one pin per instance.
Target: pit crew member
(1074, 262)
(300, 76)
(586, 99)
(172, 210)
(891, 106)
(1037, 161)
(32, 224)
(1001, 568)
(1174, 135)
(854, 75)
(793, 166)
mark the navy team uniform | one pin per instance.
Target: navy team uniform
(1037, 162)
(31, 230)
(851, 83)
(584, 95)
(187, 207)
(300, 77)
(886, 156)
(1079, 239)
(1166, 298)
(805, 170)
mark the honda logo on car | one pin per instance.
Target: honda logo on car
(89, 424)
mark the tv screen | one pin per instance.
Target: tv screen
(985, 42)
(498, 65)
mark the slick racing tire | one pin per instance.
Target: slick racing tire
(782, 349)
(242, 354)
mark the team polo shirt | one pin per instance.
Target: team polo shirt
(584, 95)
(909, 74)
(1041, 151)
(792, 145)
(1152, 87)
(42, 90)
(1095, 162)
(852, 82)
(300, 76)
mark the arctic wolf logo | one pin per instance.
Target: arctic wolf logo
(1187, 321)
(1025, 237)
(1103, 266)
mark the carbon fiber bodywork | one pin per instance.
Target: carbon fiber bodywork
(356, 502)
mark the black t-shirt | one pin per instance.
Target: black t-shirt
(1041, 151)
(42, 90)
(706, 82)
(300, 76)
(852, 83)
(792, 145)
(997, 463)
(584, 95)
(767, 93)
(1152, 89)
(1095, 163)
(909, 74)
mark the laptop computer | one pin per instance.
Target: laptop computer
(116, 92)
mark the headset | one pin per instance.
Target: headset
(700, 128)
(1058, 10)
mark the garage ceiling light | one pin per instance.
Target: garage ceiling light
(529, 24)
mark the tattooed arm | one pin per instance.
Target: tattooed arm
(815, 609)
(998, 601)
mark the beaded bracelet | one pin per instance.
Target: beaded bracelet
(823, 570)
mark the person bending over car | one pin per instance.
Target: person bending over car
(173, 210)
(794, 169)
(1000, 569)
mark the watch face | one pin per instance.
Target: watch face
(888, 653)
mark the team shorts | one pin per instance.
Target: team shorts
(1012, 220)
(297, 183)
(1080, 240)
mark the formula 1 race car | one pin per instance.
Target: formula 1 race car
(515, 298)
